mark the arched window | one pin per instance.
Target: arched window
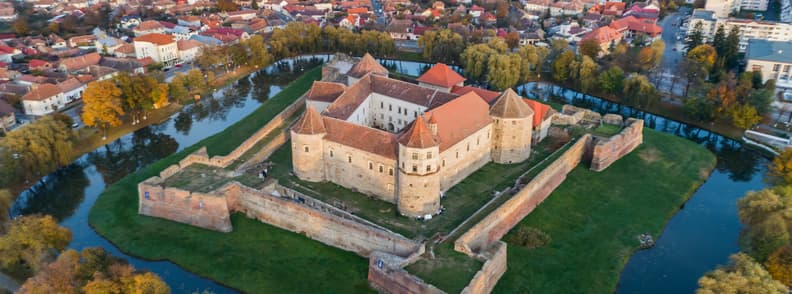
(349, 158)
(371, 165)
(390, 171)
(305, 148)
(381, 169)
(331, 152)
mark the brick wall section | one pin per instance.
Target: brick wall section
(494, 267)
(320, 223)
(198, 209)
(607, 151)
(392, 279)
(500, 221)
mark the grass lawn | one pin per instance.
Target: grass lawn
(606, 130)
(450, 271)
(204, 178)
(255, 257)
(594, 218)
(460, 201)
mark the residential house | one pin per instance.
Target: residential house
(771, 58)
(7, 116)
(401, 29)
(149, 27)
(72, 89)
(566, 8)
(38, 64)
(7, 53)
(82, 41)
(643, 10)
(181, 32)
(631, 26)
(129, 21)
(606, 37)
(160, 47)
(43, 99)
(123, 64)
(79, 63)
(188, 50)
(189, 21)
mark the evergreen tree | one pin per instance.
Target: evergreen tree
(695, 38)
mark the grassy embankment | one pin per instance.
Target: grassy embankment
(594, 218)
(255, 257)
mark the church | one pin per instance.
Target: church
(408, 143)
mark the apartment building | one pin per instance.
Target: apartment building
(749, 29)
(773, 59)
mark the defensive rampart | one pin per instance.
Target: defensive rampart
(494, 267)
(608, 150)
(386, 275)
(502, 219)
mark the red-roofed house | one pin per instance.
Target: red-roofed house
(43, 99)
(605, 37)
(38, 64)
(160, 47)
(6, 53)
(79, 63)
(441, 77)
(542, 119)
(631, 26)
(149, 27)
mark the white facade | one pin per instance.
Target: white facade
(167, 54)
(722, 8)
(749, 29)
(189, 54)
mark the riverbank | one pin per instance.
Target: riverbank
(235, 259)
(594, 219)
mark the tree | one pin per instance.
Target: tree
(503, 70)
(590, 48)
(39, 147)
(742, 275)
(6, 200)
(177, 88)
(588, 74)
(639, 91)
(102, 108)
(513, 39)
(612, 80)
(259, 56)
(532, 58)
(254, 5)
(745, 116)
(779, 265)
(696, 37)
(781, 168)
(475, 60)
(31, 241)
(441, 46)
(21, 26)
(561, 66)
(699, 108)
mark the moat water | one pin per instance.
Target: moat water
(702, 235)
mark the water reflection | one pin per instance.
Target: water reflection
(120, 158)
(58, 195)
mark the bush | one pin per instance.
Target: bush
(529, 237)
(779, 264)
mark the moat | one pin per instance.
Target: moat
(705, 230)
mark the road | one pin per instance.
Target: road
(673, 53)
(381, 19)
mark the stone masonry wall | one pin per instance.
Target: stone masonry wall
(320, 223)
(607, 151)
(387, 276)
(198, 209)
(500, 221)
(494, 267)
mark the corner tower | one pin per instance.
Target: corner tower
(307, 138)
(418, 180)
(512, 122)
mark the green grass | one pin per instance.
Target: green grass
(204, 178)
(606, 130)
(460, 201)
(450, 271)
(255, 257)
(593, 218)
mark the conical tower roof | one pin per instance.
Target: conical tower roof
(419, 135)
(311, 123)
(367, 64)
(510, 105)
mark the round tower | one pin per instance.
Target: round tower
(307, 138)
(418, 181)
(512, 127)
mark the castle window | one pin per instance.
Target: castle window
(457, 154)
(305, 148)
(415, 114)
(390, 171)
(349, 158)
(390, 107)
(514, 122)
(381, 169)
(398, 110)
(382, 104)
(382, 116)
(428, 168)
(428, 155)
(371, 165)
(402, 165)
(415, 168)
(443, 162)
(415, 156)
(514, 137)
(331, 153)
(488, 135)
(478, 140)
(468, 146)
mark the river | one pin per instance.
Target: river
(702, 235)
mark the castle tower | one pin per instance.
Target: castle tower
(366, 65)
(307, 137)
(418, 181)
(511, 128)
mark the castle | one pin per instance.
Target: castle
(408, 143)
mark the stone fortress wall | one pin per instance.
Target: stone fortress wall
(388, 252)
(482, 241)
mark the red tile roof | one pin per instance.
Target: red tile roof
(540, 111)
(418, 135)
(325, 91)
(81, 62)
(441, 75)
(460, 118)
(367, 64)
(155, 38)
(42, 92)
(510, 105)
(310, 123)
(487, 95)
(376, 141)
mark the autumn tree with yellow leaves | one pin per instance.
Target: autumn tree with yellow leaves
(103, 106)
